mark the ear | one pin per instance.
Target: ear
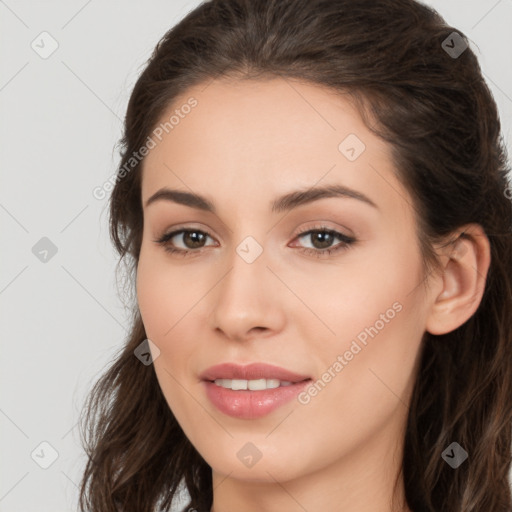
(461, 281)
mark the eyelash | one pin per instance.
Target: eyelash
(346, 241)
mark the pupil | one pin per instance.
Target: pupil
(324, 238)
(195, 237)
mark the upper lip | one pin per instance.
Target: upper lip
(251, 371)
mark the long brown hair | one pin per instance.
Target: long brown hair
(396, 58)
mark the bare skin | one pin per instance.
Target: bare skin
(243, 145)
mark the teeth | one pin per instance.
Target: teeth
(252, 385)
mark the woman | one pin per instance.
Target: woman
(313, 198)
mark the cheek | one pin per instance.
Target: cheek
(351, 297)
(375, 312)
(153, 300)
(164, 299)
(379, 321)
(169, 301)
(164, 294)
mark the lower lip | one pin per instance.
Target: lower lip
(248, 405)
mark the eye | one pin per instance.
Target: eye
(322, 238)
(192, 239)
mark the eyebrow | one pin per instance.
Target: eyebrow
(283, 203)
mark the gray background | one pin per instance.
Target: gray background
(63, 320)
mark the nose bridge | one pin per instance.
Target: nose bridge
(246, 297)
(248, 266)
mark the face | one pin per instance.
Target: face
(326, 286)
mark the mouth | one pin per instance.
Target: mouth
(251, 391)
(254, 384)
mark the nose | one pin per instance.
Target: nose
(248, 300)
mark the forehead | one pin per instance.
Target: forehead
(259, 118)
(262, 136)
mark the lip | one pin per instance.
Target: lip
(251, 371)
(248, 404)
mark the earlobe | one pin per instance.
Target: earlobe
(463, 280)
